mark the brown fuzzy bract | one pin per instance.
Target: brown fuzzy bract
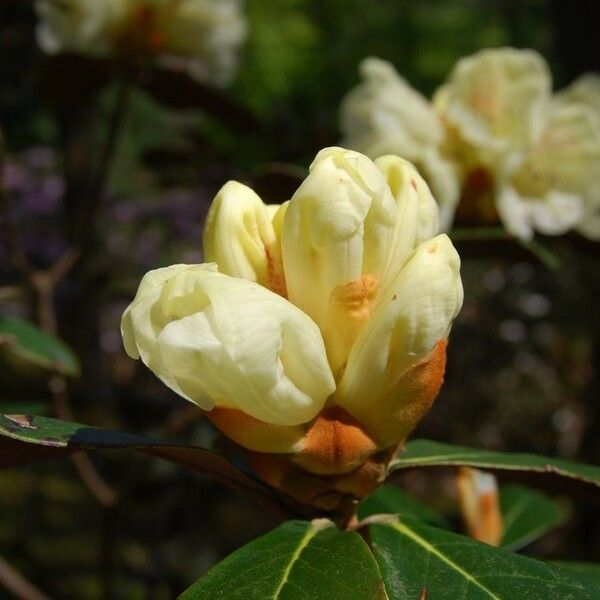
(335, 443)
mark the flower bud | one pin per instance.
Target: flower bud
(221, 341)
(480, 505)
(332, 378)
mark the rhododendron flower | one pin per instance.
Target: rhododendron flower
(494, 144)
(208, 32)
(385, 115)
(495, 101)
(584, 93)
(318, 328)
(547, 189)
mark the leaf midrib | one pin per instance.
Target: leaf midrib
(306, 538)
(431, 549)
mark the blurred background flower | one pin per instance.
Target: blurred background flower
(208, 32)
(494, 143)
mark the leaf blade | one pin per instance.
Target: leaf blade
(31, 438)
(296, 560)
(527, 515)
(22, 342)
(427, 453)
(413, 556)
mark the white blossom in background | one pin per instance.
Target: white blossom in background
(495, 101)
(331, 310)
(385, 115)
(206, 34)
(551, 188)
(494, 142)
(584, 92)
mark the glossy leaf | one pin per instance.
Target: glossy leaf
(298, 560)
(574, 477)
(23, 344)
(583, 570)
(420, 561)
(389, 499)
(527, 515)
(25, 439)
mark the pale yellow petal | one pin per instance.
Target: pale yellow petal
(222, 341)
(337, 228)
(239, 236)
(413, 314)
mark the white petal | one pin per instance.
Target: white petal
(584, 90)
(384, 114)
(513, 212)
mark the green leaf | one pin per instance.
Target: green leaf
(298, 560)
(391, 499)
(527, 515)
(23, 344)
(583, 570)
(427, 453)
(25, 439)
(420, 561)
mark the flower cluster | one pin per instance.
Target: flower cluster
(318, 328)
(208, 32)
(494, 142)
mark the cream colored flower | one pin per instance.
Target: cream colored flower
(585, 92)
(323, 335)
(553, 187)
(385, 115)
(206, 33)
(209, 31)
(495, 101)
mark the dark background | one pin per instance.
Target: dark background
(521, 371)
